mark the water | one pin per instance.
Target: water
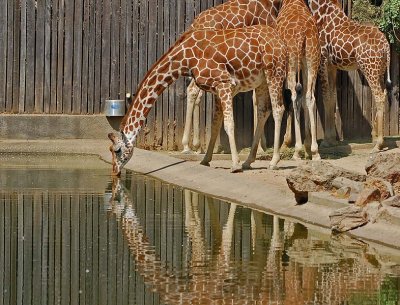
(71, 235)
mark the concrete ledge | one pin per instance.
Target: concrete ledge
(38, 126)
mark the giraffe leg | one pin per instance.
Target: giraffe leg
(287, 139)
(328, 82)
(196, 123)
(225, 94)
(263, 113)
(215, 128)
(262, 146)
(310, 78)
(376, 82)
(193, 99)
(291, 80)
(275, 93)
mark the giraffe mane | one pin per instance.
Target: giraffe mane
(177, 42)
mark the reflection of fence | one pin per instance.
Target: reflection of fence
(69, 56)
(58, 248)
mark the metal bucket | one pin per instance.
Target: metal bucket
(114, 108)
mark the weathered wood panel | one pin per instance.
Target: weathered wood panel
(68, 57)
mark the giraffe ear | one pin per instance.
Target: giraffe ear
(111, 136)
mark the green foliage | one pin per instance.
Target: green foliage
(390, 21)
(385, 16)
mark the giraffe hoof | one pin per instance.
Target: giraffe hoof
(296, 157)
(316, 157)
(205, 163)
(246, 166)
(273, 167)
(187, 151)
(236, 169)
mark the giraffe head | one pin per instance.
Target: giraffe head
(121, 151)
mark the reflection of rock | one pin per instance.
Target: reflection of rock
(315, 177)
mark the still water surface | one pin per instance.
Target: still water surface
(72, 235)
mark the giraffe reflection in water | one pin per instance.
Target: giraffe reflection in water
(285, 264)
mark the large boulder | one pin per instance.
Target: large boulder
(385, 166)
(315, 177)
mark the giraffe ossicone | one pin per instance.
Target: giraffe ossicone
(255, 57)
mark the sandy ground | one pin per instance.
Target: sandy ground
(259, 188)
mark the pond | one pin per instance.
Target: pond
(72, 235)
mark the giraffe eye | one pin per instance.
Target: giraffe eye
(118, 150)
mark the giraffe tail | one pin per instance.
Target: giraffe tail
(389, 84)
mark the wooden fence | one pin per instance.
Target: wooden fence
(67, 57)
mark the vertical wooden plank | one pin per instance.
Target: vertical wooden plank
(394, 107)
(92, 49)
(160, 51)
(180, 85)
(343, 103)
(17, 46)
(122, 49)
(14, 253)
(151, 58)
(30, 57)
(166, 96)
(10, 54)
(21, 103)
(82, 216)
(54, 56)
(350, 101)
(128, 45)
(68, 56)
(98, 55)
(3, 54)
(47, 57)
(27, 239)
(172, 89)
(65, 275)
(77, 58)
(105, 53)
(60, 53)
(36, 250)
(75, 228)
(85, 56)
(368, 102)
(115, 47)
(39, 56)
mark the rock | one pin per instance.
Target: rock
(373, 211)
(340, 182)
(353, 196)
(368, 195)
(384, 186)
(385, 166)
(393, 201)
(316, 176)
(348, 218)
(343, 192)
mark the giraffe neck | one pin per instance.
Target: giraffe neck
(163, 73)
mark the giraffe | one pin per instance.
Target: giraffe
(297, 27)
(223, 62)
(228, 15)
(348, 45)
